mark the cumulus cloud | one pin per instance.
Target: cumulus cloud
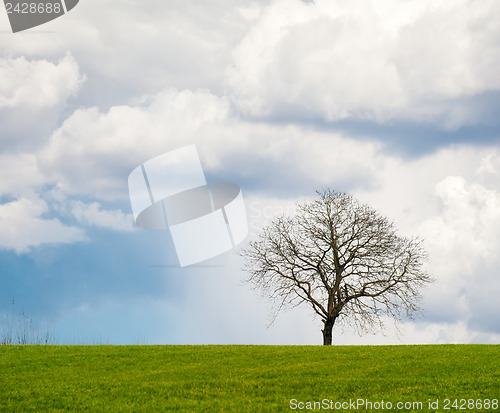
(464, 240)
(450, 200)
(19, 173)
(37, 84)
(22, 226)
(466, 230)
(488, 171)
(471, 217)
(93, 152)
(92, 214)
(376, 60)
(136, 47)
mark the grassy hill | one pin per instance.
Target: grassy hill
(248, 378)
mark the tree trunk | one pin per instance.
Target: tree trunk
(327, 331)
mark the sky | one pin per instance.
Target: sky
(393, 101)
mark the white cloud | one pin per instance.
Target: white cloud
(92, 214)
(488, 172)
(19, 173)
(93, 152)
(422, 332)
(378, 60)
(37, 84)
(250, 12)
(471, 216)
(451, 201)
(22, 226)
(141, 46)
(464, 234)
(464, 240)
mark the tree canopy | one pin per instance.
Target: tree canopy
(343, 259)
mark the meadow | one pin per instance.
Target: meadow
(248, 378)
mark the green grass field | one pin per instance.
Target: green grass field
(245, 378)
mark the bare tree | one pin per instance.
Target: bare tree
(343, 259)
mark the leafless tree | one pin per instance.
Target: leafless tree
(343, 259)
